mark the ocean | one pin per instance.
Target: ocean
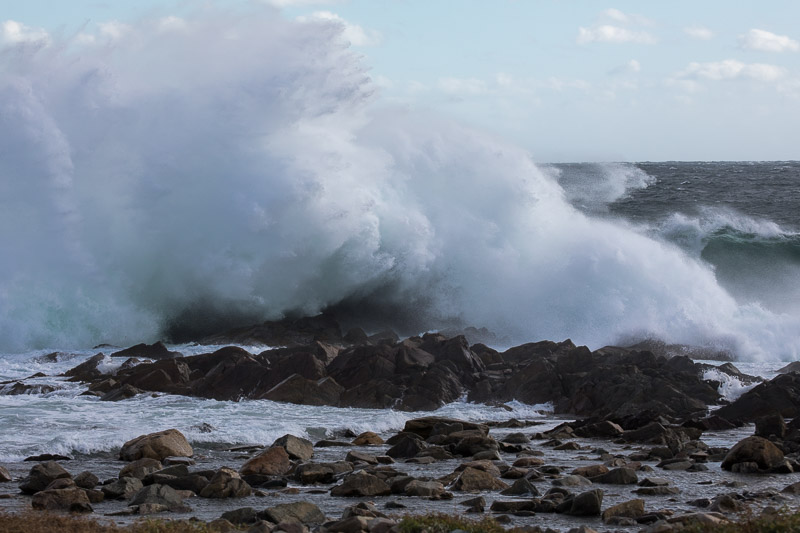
(692, 210)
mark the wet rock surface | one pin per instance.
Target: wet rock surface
(634, 446)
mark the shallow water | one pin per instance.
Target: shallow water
(91, 431)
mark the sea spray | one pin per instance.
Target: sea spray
(182, 178)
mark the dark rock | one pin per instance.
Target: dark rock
(591, 471)
(756, 450)
(321, 472)
(771, 427)
(47, 457)
(86, 371)
(630, 509)
(226, 483)
(361, 485)
(618, 476)
(407, 447)
(73, 500)
(122, 488)
(424, 488)
(513, 507)
(780, 395)
(121, 393)
(296, 448)
(140, 468)
(355, 456)
(520, 487)
(586, 504)
(160, 495)
(299, 390)
(145, 351)
(472, 479)
(244, 515)
(368, 438)
(41, 476)
(302, 512)
(271, 462)
(86, 480)
(156, 446)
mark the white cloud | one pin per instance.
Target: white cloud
(503, 80)
(731, 69)
(625, 18)
(114, 29)
(699, 32)
(289, 3)
(13, 32)
(471, 86)
(607, 33)
(765, 41)
(172, 23)
(355, 34)
(631, 67)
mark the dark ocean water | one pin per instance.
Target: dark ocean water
(741, 218)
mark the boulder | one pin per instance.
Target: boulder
(406, 447)
(86, 480)
(122, 488)
(4, 475)
(321, 472)
(73, 500)
(355, 456)
(160, 495)
(300, 390)
(302, 512)
(630, 509)
(771, 427)
(361, 484)
(244, 515)
(121, 393)
(41, 476)
(586, 504)
(780, 395)
(140, 468)
(86, 371)
(521, 487)
(226, 483)
(298, 449)
(590, 471)
(61, 483)
(472, 479)
(368, 438)
(436, 425)
(424, 488)
(156, 446)
(271, 462)
(148, 351)
(756, 450)
(618, 476)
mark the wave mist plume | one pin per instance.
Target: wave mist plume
(231, 167)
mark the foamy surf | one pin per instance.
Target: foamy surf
(174, 181)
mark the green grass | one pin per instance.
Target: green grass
(443, 523)
(43, 522)
(782, 521)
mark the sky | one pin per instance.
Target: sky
(568, 80)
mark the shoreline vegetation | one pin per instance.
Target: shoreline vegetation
(773, 522)
(634, 448)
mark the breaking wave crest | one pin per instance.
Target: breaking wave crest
(236, 167)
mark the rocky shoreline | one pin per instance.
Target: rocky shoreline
(632, 455)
